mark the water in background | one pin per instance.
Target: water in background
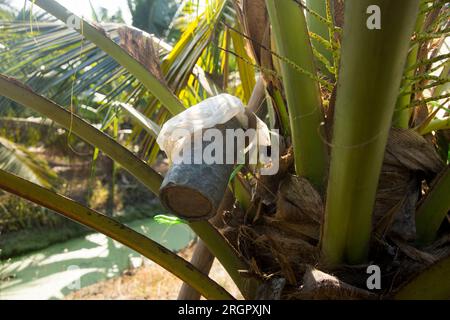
(62, 268)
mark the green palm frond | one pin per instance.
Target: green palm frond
(189, 68)
(18, 160)
(110, 227)
(7, 12)
(57, 62)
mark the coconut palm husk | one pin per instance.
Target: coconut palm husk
(282, 243)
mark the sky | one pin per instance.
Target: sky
(82, 7)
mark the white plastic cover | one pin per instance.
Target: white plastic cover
(207, 114)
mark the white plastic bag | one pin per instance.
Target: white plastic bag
(207, 114)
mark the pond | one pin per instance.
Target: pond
(62, 268)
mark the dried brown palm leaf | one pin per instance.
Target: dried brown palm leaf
(318, 285)
(141, 46)
(267, 186)
(256, 20)
(298, 201)
(308, 232)
(260, 242)
(408, 158)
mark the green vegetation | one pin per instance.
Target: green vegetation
(362, 112)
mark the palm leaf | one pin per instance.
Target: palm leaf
(61, 80)
(117, 231)
(135, 67)
(226, 254)
(18, 160)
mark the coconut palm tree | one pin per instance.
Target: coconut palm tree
(359, 92)
(6, 11)
(152, 16)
